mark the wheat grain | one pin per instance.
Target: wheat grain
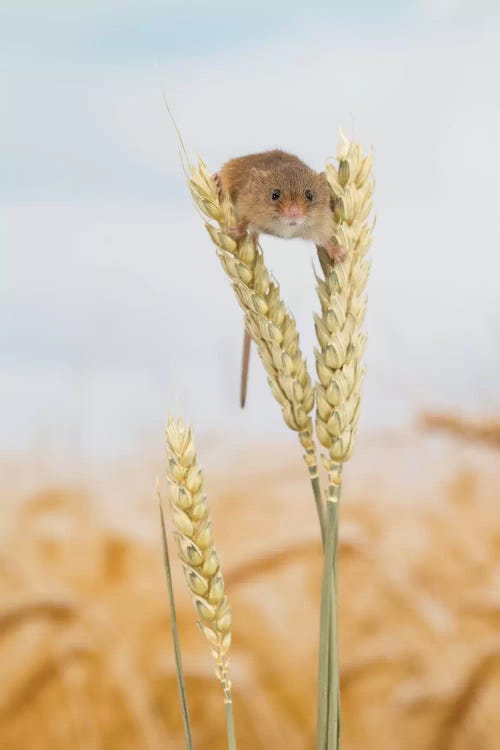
(267, 320)
(340, 373)
(343, 304)
(195, 545)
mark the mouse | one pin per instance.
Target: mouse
(276, 193)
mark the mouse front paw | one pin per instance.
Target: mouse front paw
(218, 184)
(237, 231)
(335, 252)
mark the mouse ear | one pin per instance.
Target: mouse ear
(258, 174)
(322, 176)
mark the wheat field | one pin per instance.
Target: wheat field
(85, 645)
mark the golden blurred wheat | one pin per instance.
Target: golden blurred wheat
(85, 651)
(485, 430)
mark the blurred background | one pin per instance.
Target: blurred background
(115, 312)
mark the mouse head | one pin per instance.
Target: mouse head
(289, 195)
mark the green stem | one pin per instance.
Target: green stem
(324, 636)
(231, 739)
(310, 459)
(175, 636)
(316, 487)
(335, 580)
(328, 731)
(334, 692)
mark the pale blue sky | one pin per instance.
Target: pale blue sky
(108, 265)
(111, 32)
(114, 33)
(52, 59)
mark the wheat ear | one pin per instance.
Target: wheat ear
(267, 320)
(196, 548)
(340, 374)
(343, 304)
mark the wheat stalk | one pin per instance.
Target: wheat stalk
(340, 374)
(343, 304)
(267, 320)
(181, 683)
(196, 548)
(338, 363)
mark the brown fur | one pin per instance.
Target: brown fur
(250, 181)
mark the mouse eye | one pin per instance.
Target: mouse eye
(276, 195)
(309, 195)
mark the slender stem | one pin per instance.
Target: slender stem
(324, 683)
(334, 691)
(319, 505)
(328, 729)
(334, 490)
(312, 467)
(175, 635)
(328, 733)
(228, 701)
(335, 606)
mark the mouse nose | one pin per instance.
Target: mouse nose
(292, 212)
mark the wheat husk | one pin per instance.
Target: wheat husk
(267, 320)
(196, 547)
(341, 291)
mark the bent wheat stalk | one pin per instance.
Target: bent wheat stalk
(340, 374)
(267, 320)
(196, 548)
(338, 363)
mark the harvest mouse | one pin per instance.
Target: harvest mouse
(276, 193)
